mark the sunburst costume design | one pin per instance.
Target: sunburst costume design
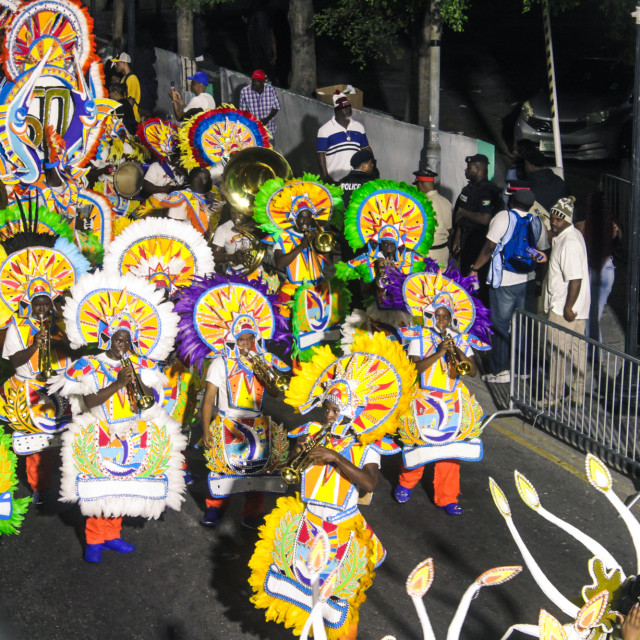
(32, 264)
(12, 509)
(594, 614)
(247, 446)
(315, 304)
(168, 253)
(211, 137)
(371, 388)
(118, 458)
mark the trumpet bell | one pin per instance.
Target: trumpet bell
(463, 368)
(145, 402)
(290, 475)
(247, 170)
(325, 242)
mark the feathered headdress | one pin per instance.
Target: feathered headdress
(385, 210)
(372, 386)
(211, 137)
(159, 136)
(278, 203)
(168, 253)
(103, 303)
(216, 310)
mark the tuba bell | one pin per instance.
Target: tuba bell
(247, 170)
(255, 254)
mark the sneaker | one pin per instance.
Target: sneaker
(452, 509)
(212, 517)
(253, 522)
(93, 553)
(189, 478)
(497, 378)
(119, 545)
(38, 498)
(402, 494)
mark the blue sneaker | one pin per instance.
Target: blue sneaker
(39, 498)
(402, 494)
(189, 478)
(119, 545)
(452, 509)
(212, 517)
(93, 553)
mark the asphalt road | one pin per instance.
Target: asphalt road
(185, 582)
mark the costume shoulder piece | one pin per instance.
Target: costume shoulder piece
(278, 203)
(372, 385)
(215, 310)
(383, 209)
(102, 303)
(211, 137)
(166, 252)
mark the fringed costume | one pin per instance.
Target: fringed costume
(367, 392)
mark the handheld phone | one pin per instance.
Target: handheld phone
(538, 256)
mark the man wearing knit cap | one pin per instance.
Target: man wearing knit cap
(511, 279)
(201, 101)
(261, 100)
(426, 183)
(567, 302)
(338, 140)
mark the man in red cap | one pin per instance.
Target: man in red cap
(261, 100)
(338, 140)
(426, 183)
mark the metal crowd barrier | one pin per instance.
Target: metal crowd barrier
(593, 404)
(618, 193)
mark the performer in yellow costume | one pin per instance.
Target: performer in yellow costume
(362, 396)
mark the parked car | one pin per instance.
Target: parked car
(595, 109)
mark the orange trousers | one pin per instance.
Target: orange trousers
(99, 529)
(39, 469)
(253, 504)
(446, 481)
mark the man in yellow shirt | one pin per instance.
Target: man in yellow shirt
(130, 79)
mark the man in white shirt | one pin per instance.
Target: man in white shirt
(567, 302)
(201, 99)
(338, 140)
(510, 285)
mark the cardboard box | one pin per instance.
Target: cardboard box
(325, 94)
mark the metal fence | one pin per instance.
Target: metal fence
(575, 388)
(618, 193)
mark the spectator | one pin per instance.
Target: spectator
(338, 140)
(516, 170)
(201, 99)
(567, 302)
(425, 181)
(125, 110)
(477, 203)
(362, 167)
(130, 80)
(510, 284)
(545, 184)
(261, 100)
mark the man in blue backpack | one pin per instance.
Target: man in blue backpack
(514, 245)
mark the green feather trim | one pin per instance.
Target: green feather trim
(9, 482)
(51, 219)
(351, 232)
(91, 248)
(260, 214)
(418, 267)
(345, 272)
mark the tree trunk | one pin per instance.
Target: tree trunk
(303, 47)
(118, 24)
(184, 16)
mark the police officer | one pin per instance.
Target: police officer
(477, 203)
(362, 169)
(425, 182)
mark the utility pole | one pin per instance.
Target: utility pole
(433, 146)
(633, 267)
(551, 78)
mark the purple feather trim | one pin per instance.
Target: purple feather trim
(393, 298)
(190, 346)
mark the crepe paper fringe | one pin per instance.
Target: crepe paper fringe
(9, 482)
(190, 346)
(118, 506)
(351, 231)
(289, 613)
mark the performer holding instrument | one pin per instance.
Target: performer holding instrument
(445, 420)
(228, 320)
(361, 396)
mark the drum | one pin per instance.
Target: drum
(127, 179)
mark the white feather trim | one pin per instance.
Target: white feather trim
(169, 228)
(124, 505)
(108, 281)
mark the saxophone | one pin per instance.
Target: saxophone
(137, 396)
(44, 350)
(292, 473)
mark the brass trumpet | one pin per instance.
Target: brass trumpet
(268, 374)
(462, 367)
(44, 350)
(324, 242)
(292, 473)
(137, 396)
